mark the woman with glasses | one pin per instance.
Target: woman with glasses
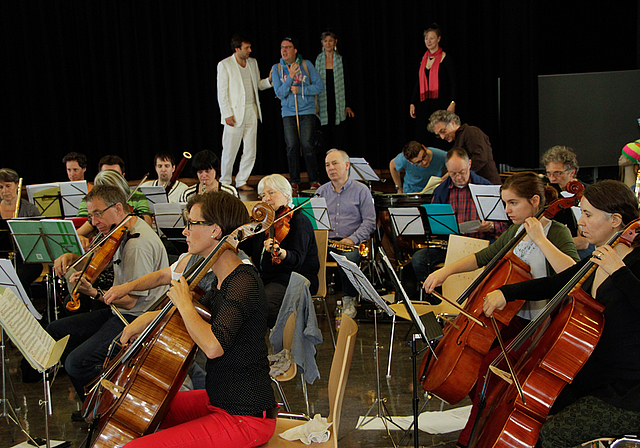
(237, 407)
(547, 248)
(297, 251)
(418, 163)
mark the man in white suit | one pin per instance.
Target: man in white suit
(238, 85)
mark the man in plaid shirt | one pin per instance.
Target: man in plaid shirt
(454, 190)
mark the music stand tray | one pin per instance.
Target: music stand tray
(50, 197)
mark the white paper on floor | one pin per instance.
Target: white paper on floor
(54, 443)
(433, 422)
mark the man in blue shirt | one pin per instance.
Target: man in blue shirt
(351, 212)
(418, 163)
(296, 82)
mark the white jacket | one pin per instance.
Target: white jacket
(231, 94)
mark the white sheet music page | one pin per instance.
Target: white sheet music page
(28, 335)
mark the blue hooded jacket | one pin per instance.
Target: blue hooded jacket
(310, 86)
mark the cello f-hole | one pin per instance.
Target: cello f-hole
(459, 339)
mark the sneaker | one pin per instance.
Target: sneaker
(315, 185)
(294, 186)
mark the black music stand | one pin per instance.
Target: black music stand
(155, 195)
(367, 291)
(488, 202)
(428, 330)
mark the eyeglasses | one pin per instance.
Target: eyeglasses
(99, 214)
(198, 223)
(442, 132)
(556, 173)
(419, 162)
(458, 173)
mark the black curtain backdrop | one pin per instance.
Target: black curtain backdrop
(137, 77)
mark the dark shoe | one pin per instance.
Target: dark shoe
(294, 186)
(315, 185)
(245, 187)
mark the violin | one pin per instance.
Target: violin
(99, 257)
(454, 370)
(561, 346)
(279, 231)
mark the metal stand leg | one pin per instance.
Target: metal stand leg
(393, 332)
(382, 412)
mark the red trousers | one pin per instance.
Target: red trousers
(193, 422)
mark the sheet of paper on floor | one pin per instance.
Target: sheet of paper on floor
(433, 422)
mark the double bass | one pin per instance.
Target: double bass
(564, 336)
(132, 395)
(453, 372)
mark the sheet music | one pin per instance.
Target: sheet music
(32, 340)
(432, 184)
(488, 202)
(9, 279)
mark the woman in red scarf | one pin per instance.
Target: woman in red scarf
(436, 87)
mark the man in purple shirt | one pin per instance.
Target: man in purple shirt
(352, 215)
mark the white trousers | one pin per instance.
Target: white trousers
(231, 138)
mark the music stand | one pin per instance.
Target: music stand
(368, 292)
(362, 171)
(155, 195)
(45, 240)
(169, 216)
(316, 211)
(440, 220)
(429, 331)
(488, 202)
(66, 196)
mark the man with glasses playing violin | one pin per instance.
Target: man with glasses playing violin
(447, 126)
(418, 163)
(139, 253)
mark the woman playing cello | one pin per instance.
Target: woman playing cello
(547, 248)
(237, 406)
(604, 398)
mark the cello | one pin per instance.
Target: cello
(130, 398)
(561, 346)
(454, 370)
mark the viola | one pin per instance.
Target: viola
(132, 395)
(99, 256)
(453, 372)
(564, 336)
(279, 230)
